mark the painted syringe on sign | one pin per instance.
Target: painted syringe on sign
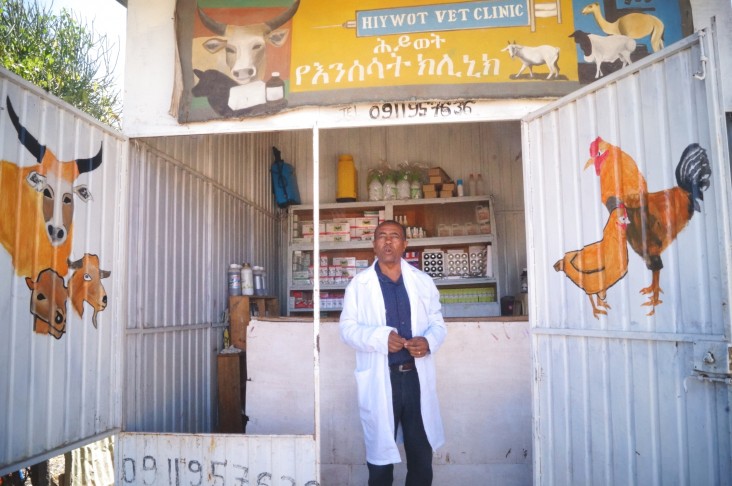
(350, 24)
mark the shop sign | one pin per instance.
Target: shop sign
(242, 58)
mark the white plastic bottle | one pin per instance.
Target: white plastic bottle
(247, 280)
(480, 186)
(460, 189)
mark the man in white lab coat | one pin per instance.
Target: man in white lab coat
(392, 318)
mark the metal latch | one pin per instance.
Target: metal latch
(713, 357)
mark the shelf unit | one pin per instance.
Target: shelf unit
(440, 216)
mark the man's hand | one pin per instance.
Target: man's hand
(418, 347)
(396, 342)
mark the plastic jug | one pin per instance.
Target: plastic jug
(260, 281)
(247, 280)
(347, 190)
(234, 279)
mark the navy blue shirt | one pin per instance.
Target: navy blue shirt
(398, 313)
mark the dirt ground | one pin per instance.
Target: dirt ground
(55, 477)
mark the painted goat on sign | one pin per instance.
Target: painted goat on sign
(85, 285)
(534, 56)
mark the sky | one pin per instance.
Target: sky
(107, 16)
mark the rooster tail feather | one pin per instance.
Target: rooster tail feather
(693, 173)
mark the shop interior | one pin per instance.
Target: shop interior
(490, 151)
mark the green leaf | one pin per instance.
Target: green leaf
(59, 53)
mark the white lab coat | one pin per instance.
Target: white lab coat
(363, 327)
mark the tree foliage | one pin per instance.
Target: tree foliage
(62, 55)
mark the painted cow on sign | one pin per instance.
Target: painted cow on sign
(239, 50)
(48, 303)
(85, 285)
(37, 205)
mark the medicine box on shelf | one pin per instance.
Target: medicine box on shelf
(451, 239)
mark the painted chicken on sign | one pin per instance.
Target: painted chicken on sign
(656, 218)
(600, 265)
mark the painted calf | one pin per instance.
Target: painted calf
(48, 303)
(37, 205)
(85, 285)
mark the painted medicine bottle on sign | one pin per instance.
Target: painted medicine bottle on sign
(274, 89)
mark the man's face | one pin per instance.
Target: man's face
(389, 243)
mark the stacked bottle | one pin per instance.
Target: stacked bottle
(471, 185)
(247, 280)
(479, 186)
(234, 279)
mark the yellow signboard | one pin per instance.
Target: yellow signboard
(257, 57)
(359, 45)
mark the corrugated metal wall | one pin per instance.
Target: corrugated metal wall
(197, 204)
(57, 394)
(615, 397)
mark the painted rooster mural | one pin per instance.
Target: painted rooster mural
(655, 218)
(597, 267)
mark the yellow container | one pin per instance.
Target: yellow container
(347, 189)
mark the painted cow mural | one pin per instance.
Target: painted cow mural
(85, 285)
(229, 67)
(36, 229)
(239, 50)
(37, 203)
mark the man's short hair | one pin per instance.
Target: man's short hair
(391, 221)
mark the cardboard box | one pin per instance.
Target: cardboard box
(448, 186)
(436, 180)
(344, 262)
(438, 172)
(446, 194)
(362, 264)
(308, 228)
(359, 233)
(332, 228)
(367, 222)
(429, 194)
(340, 237)
(431, 187)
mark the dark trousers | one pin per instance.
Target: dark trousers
(405, 399)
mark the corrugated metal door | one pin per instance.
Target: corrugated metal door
(628, 225)
(62, 178)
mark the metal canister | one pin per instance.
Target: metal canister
(234, 278)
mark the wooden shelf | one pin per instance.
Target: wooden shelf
(434, 216)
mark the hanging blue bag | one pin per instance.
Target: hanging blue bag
(284, 182)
